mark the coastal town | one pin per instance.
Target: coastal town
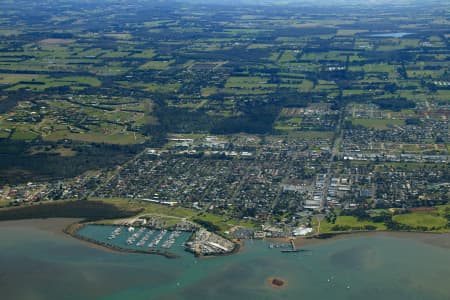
(240, 149)
(281, 184)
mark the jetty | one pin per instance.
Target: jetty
(293, 249)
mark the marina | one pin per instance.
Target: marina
(158, 239)
(115, 233)
(137, 238)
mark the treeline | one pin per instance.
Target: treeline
(208, 225)
(394, 104)
(17, 165)
(180, 120)
(255, 117)
(259, 120)
(89, 210)
(348, 228)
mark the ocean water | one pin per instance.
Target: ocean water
(39, 263)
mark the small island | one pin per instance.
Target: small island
(276, 282)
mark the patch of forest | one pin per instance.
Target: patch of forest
(90, 210)
(17, 164)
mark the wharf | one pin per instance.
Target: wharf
(294, 249)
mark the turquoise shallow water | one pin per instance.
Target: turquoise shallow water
(39, 264)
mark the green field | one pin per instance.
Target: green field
(422, 219)
(433, 220)
(156, 65)
(21, 134)
(377, 123)
(350, 221)
(148, 54)
(119, 138)
(247, 82)
(288, 56)
(40, 83)
(311, 134)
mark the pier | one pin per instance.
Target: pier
(294, 248)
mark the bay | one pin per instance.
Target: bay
(39, 262)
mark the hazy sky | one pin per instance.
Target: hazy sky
(328, 2)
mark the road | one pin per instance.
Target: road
(334, 152)
(116, 172)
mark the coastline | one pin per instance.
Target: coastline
(53, 225)
(249, 270)
(68, 228)
(433, 238)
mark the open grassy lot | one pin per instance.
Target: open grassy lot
(442, 95)
(148, 207)
(377, 123)
(9, 32)
(115, 54)
(331, 55)
(345, 221)
(247, 82)
(288, 56)
(311, 134)
(9, 79)
(259, 46)
(429, 219)
(110, 69)
(120, 138)
(162, 88)
(245, 91)
(349, 32)
(42, 82)
(156, 65)
(251, 85)
(385, 68)
(325, 86)
(21, 133)
(4, 134)
(148, 54)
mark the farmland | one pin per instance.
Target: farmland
(271, 114)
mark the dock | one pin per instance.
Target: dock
(294, 248)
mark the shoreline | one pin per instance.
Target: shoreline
(68, 227)
(426, 237)
(438, 239)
